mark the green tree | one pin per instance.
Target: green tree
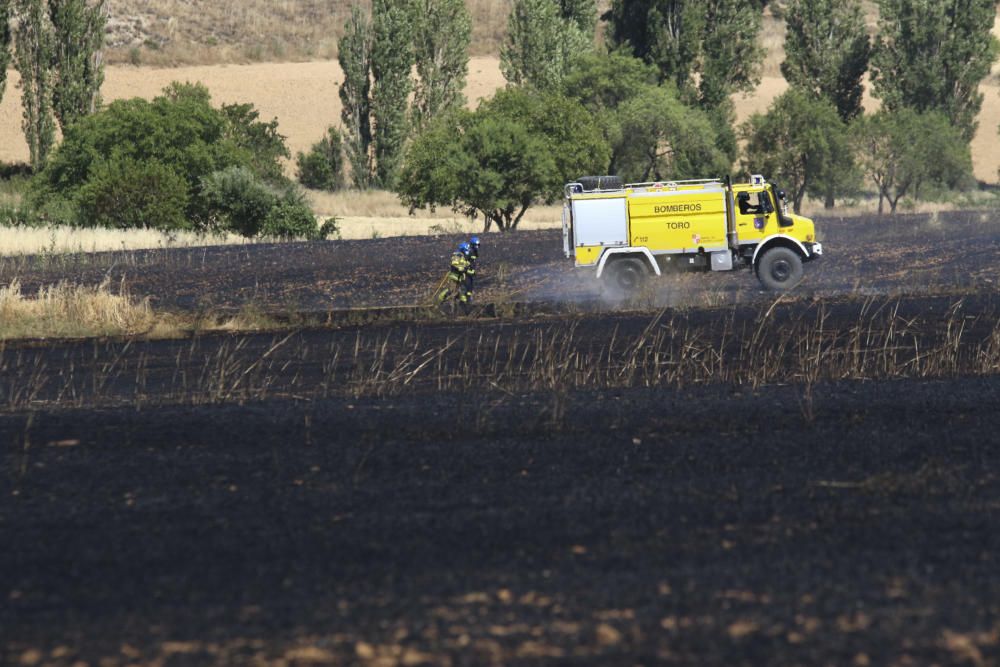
(322, 168)
(904, 151)
(581, 13)
(932, 56)
(542, 44)
(602, 83)
(5, 39)
(442, 31)
(79, 37)
(261, 140)
(731, 53)
(355, 96)
(708, 48)
(35, 46)
(827, 51)
(516, 149)
(661, 139)
(665, 33)
(801, 143)
(391, 61)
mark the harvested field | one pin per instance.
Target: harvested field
(303, 97)
(704, 475)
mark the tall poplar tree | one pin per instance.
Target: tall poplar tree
(355, 96)
(731, 56)
(932, 56)
(582, 13)
(391, 62)
(5, 38)
(708, 48)
(35, 47)
(827, 51)
(664, 33)
(79, 39)
(543, 42)
(442, 33)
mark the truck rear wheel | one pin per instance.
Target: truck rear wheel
(780, 269)
(626, 274)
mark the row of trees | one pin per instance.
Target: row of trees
(57, 51)
(377, 54)
(926, 63)
(661, 98)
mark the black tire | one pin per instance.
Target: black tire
(626, 274)
(780, 269)
(591, 183)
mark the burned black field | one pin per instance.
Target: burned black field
(703, 475)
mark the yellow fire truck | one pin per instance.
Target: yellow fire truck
(631, 231)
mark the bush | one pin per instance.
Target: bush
(329, 228)
(17, 215)
(179, 131)
(125, 194)
(246, 205)
(322, 168)
(290, 220)
(240, 201)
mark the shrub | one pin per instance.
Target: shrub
(329, 228)
(240, 201)
(246, 205)
(178, 130)
(125, 194)
(322, 168)
(17, 215)
(289, 220)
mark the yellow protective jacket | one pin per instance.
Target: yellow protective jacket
(459, 265)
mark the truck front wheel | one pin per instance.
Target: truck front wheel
(779, 269)
(626, 274)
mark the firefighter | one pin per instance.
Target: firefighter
(456, 277)
(473, 256)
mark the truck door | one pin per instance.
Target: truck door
(754, 214)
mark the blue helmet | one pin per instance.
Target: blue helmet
(463, 248)
(474, 241)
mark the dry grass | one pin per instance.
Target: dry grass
(671, 352)
(70, 240)
(72, 310)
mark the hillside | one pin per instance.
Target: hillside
(174, 32)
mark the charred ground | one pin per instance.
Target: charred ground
(706, 476)
(904, 254)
